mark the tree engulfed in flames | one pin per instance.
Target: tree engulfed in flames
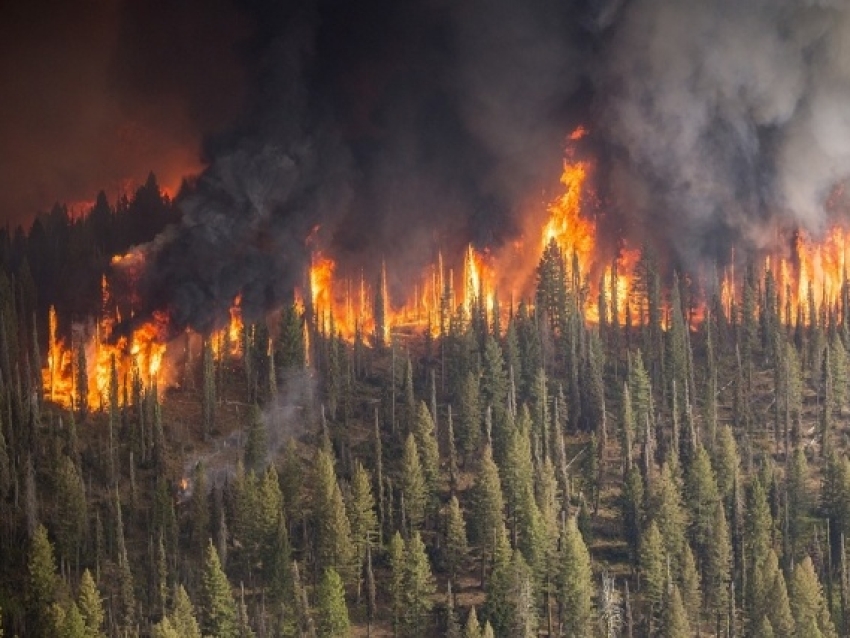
(95, 355)
(811, 275)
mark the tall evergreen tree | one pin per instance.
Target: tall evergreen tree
(674, 619)
(90, 606)
(218, 613)
(361, 515)
(419, 588)
(426, 443)
(334, 547)
(468, 425)
(808, 604)
(413, 486)
(575, 581)
(333, 619)
(455, 542)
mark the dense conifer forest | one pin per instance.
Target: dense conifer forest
(678, 468)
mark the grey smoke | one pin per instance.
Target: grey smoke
(728, 119)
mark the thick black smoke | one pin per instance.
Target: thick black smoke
(398, 127)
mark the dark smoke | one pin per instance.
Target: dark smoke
(398, 128)
(403, 127)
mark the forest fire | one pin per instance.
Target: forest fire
(100, 365)
(809, 276)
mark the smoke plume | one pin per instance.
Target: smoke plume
(726, 120)
(397, 128)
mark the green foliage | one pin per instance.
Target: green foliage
(332, 611)
(256, 445)
(471, 628)
(488, 504)
(455, 542)
(218, 613)
(413, 486)
(419, 588)
(290, 343)
(674, 619)
(361, 514)
(42, 582)
(808, 604)
(71, 519)
(334, 547)
(90, 606)
(468, 426)
(426, 443)
(575, 580)
(653, 566)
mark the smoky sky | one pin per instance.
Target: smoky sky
(400, 127)
(97, 93)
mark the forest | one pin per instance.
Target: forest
(514, 469)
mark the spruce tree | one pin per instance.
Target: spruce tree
(90, 606)
(701, 496)
(332, 611)
(716, 570)
(777, 606)
(361, 516)
(42, 582)
(689, 586)
(808, 604)
(487, 501)
(396, 580)
(674, 618)
(468, 425)
(419, 588)
(575, 581)
(670, 515)
(290, 343)
(764, 629)
(494, 386)
(653, 566)
(426, 443)
(334, 547)
(217, 607)
(455, 543)
(471, 628)
(71, 520)
(758, 528)
(413, 485)
(182, 615)
(256, 445)
(726, 462)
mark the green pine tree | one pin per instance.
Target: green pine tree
(218, 613)
(674, 618)
(90, 606)
(419, 588)
(455, 542)
(256, 445)
(334, 546)
(361, 515)
(808, 604)
(413, 485)
(471, 628)
(332, 611)
(575, 581)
